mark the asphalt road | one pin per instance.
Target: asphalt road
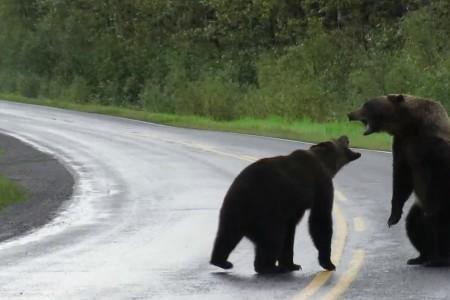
(143, 216)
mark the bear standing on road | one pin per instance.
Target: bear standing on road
(421, 161)
(269, 197)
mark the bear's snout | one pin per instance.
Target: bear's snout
(356, 155)
(352, 116)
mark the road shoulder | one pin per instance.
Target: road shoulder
(47, 183)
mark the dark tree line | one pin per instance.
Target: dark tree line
(224, 58)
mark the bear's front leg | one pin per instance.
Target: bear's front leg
(396, 214)
(402, 183)
(321, 228)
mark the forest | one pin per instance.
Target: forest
(226, 59)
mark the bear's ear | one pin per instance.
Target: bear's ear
(396, 98)
(322, 146)
(344, 141)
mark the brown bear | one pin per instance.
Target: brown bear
(421, 164)
(268, 199)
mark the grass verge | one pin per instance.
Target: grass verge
(302, 130)
(10, 193)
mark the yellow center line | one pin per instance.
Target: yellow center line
(337, 250)
(338, 242)
(358, 224)
(341, 197)
(347, 278)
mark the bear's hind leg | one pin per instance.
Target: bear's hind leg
(268, 247)
(439, 234)
(417, 234)
(226, 240)
(286, 259)
(265, 258)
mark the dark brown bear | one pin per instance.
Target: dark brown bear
(421, 161)
(269, 197)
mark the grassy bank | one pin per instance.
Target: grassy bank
(303, 130)
(10, 193)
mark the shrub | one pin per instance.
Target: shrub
(152, 98)
(213, 97)
(28, 85)
(77, 91)
(8, 82)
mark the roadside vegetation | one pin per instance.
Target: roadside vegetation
(275, 67)
(10, 193)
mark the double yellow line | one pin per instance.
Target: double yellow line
(340, 237)
(356, 262)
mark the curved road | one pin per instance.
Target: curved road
(142, 220)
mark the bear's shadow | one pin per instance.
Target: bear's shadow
(287, 278)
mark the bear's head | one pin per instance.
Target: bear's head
(384, 113)
(335, 153)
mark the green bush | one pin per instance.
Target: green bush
(28, 85)
(213, 97)
(53, 89)
(153, 99)
(435, 83)
(295, 84)
(8, 82)
(362, 86)
(78, 90)
(107, 93)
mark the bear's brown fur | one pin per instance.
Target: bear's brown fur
(269, 197)
(421, 163)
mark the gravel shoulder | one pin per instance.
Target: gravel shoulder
(46, 181)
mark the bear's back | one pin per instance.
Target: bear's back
(275, 185)
(429, 117)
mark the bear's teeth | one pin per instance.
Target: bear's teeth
(369, 129)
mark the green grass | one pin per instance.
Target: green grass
(10, 193)
(303, 130)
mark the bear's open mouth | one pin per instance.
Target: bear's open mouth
(368, 126)
(357, 116)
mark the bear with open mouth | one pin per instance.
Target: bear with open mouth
(421, 164)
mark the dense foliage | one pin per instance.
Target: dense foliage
(225, 58)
